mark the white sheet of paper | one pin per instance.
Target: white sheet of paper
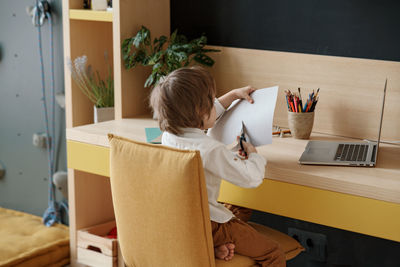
(257, 118)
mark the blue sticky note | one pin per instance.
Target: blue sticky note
(153, 135)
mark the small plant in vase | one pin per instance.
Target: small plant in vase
(100, 92)
(163, 54)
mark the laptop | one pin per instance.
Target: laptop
(362, 154)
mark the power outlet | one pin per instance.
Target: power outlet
(40, 140)
(314, 243)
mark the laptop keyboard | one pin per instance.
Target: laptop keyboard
(351, 152)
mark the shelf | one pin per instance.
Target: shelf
(90, 33)
(83, 14)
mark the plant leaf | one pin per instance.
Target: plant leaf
(150, 81)
(155, 58)
(142, 37)
(210, 50)
(172, 39)
(204, 59)
(160, 42)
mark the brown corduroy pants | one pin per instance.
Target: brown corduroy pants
(248, 242)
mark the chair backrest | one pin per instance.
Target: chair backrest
(160, 203)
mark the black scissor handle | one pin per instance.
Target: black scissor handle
(241, 139)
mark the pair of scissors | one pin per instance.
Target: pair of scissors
(243, 138)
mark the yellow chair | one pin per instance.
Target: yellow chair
(161, 208)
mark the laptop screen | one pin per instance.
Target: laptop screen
(380, 124)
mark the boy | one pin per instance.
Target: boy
(186, 106)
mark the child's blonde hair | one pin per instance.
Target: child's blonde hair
(183, 98)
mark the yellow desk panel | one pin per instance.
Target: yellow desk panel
(353, 213)
(88, 158)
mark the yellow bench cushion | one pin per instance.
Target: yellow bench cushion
(25, 241)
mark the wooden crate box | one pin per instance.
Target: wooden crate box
(95, 249)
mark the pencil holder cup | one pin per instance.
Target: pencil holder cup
(301, 124)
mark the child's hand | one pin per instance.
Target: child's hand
(239, 93)
(244, 93)
(248, 148)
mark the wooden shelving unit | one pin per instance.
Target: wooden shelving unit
(84, 14)
(92, 33)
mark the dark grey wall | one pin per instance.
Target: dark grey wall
(350, 28)
(25, 186)
(355, 28)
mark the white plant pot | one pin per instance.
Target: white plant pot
(103, 114)
(99, 4)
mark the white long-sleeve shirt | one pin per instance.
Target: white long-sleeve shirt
(219, 163)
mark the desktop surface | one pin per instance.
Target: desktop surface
(381, 182)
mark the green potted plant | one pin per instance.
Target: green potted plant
(163, 54)
(100, 92)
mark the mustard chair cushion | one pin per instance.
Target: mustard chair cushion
(160, 204)
(25, 241)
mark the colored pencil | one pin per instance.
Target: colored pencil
(294, 101)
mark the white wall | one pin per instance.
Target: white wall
(25, 186)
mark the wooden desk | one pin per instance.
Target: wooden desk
(363, 200)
